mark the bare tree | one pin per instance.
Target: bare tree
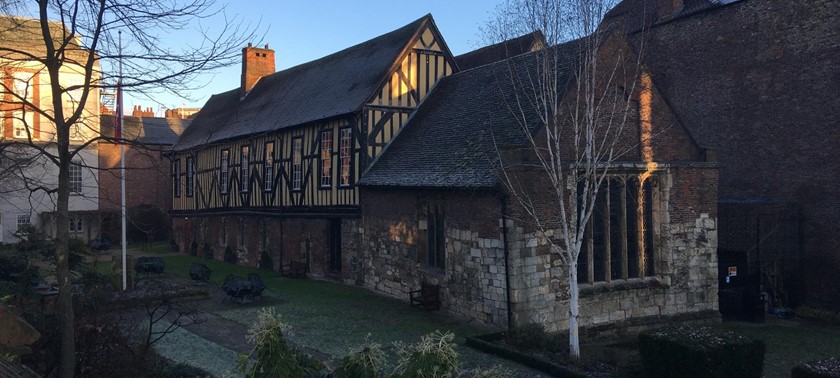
(66, 44)
(572, 100)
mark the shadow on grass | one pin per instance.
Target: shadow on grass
(330, 317)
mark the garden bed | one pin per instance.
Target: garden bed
(556, 364)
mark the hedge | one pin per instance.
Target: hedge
(700, 352)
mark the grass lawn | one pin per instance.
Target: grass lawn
(790, 343)
(333, 318)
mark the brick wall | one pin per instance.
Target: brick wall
(147, 180)
(285, 240)
(757, 80)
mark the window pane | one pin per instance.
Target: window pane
(616, 220)
(268, 167)
(345, 155)
(244, 168)
(326, 158)
(223, 171)
(632, 227)
(297, 163)
(75, 178)
(648, 227)
(599, 236)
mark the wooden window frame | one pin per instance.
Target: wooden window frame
(190, 179)
(268, 166)
(245, 168)
(297, 166)
(345, 158)
(176, 177)
(325, 163)
(224, 170)
(435, 236)
(75, 177)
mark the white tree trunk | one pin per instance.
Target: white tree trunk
(574, 312)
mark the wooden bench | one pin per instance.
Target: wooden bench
(427, 297)
(295, 269)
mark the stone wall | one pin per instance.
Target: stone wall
(385, 247)
(388, 244)
(685, 283)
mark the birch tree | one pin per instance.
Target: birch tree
(57, 38)
(579, 94)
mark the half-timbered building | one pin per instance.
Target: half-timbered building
(272, 166)
(378, 166)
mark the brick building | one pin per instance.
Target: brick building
(758, 81)
(28, 175)
(148, 180)
(410, 193)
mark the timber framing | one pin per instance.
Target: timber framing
(299, 182)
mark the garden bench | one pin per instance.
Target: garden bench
(200, 272)
(236, 288)
(149, 265)
(257, 285)
(295, 269)
(428, 297)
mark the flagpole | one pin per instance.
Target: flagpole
(122, 166)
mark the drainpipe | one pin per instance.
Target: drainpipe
(503, 200)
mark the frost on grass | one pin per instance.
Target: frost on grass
(185, 347)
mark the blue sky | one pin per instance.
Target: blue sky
(300, 31)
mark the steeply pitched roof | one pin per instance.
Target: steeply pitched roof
(21, 38)
(500, 51)
(640, 14)
(146, 130)
(450, 142)
(334, 85)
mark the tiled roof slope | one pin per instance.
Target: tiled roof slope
(21, 38)
(334, 85)
(640, 14)
(146, 130)
(450, 142)
(499, 51)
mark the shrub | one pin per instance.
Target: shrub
(817, 369)
(433, 356)
(266, 263)
(207, 252)
(700, 352)
(531, 336)
(194, 249)
(365, 362)
(169, 369)
(272, 355)
(230, 255)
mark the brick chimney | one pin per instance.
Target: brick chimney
(256, 63)
(667, 8)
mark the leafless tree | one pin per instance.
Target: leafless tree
(579, 91)
(56, 37)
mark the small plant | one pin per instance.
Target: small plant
(433, 356)
(266, 263)
(700, 352)
(272, 355)
(365, 362)
(826, 368)
(230, 255)
(207, 251)
(194, 248)
(493, 372)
